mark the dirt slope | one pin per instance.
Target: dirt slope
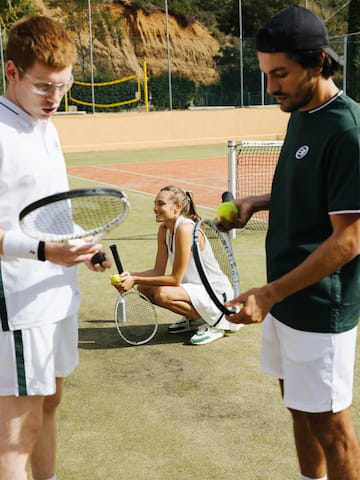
(131, 37)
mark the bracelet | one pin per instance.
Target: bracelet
(41, 252)
(17, 244)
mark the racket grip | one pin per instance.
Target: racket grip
(99, 257)
(117, 260)
(227, 197)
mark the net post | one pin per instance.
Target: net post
(232, 161)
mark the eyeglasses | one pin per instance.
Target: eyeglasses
(45, 88)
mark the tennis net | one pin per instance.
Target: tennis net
(251, 170)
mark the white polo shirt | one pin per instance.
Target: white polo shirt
(32, 165)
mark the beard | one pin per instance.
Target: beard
(293, 102)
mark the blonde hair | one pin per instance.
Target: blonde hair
(41, 39)
(185, 199)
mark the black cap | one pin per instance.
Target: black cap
(294, 29)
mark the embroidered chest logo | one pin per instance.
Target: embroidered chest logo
(302, 152)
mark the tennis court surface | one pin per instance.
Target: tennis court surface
(205, 177)
(166, 410)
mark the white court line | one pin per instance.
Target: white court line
(182, 141)
(98, 182)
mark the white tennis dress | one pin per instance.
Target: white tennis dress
(194, 287)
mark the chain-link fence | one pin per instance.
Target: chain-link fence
(239, 80)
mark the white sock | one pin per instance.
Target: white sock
(303, 477)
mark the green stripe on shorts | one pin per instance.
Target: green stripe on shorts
(20, 364)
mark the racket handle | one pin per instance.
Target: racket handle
(99, 257)
(227, 197)
(117, 260)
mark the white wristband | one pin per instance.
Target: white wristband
(17, 244)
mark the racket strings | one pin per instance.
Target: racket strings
(216, 264)
(140, 323)
(76, 216)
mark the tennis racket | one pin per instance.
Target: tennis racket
(135, 316)
(75, 215)
(215, 262)
(227, 197)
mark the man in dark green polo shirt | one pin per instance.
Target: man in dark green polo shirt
(311, 303)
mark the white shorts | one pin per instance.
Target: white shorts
(317, 368)
(207, 309)
(33, 358)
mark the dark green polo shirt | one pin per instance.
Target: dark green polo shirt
(318, 173)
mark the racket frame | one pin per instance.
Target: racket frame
(96, 233)
(225, 240)
(121, 305)
(121, 320)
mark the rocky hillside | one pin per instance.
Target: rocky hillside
(130, 37)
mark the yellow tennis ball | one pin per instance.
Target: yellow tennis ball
(115, 280)
(225, 209)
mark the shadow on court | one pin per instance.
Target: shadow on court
(106, 337)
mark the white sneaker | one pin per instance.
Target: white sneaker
(206, 334)
(185, 325)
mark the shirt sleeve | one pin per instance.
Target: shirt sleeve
(343, 173)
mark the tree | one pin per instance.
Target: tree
(254, 14)
(13, 10)
(106, 27)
